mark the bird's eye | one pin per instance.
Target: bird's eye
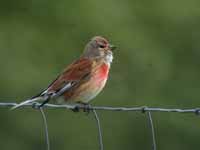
(101, 46)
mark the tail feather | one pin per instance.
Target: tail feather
(26, 102)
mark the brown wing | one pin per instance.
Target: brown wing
(72, 74)
(70, 77)
(78, 71)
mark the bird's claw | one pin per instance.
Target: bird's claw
(86, 108)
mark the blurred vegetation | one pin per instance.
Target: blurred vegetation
(156, 64)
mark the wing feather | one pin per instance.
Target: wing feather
(71, 76)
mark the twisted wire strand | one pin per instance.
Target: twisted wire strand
(109, 108)
(142, 109)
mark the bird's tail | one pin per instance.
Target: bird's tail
(35, 99)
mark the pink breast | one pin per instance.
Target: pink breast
(103, 71)
(102, 74)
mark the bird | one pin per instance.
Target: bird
(83, 79)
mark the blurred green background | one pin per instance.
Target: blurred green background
(156, 64)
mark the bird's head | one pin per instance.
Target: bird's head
(99, 47)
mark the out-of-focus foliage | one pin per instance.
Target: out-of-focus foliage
(156, 64)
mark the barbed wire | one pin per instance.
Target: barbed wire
(108, 108)
(88, 108)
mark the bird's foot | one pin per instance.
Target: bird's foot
(86, 107)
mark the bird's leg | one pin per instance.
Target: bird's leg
(85, 106)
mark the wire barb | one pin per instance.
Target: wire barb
(99, 130)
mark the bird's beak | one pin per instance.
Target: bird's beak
(112, 47)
